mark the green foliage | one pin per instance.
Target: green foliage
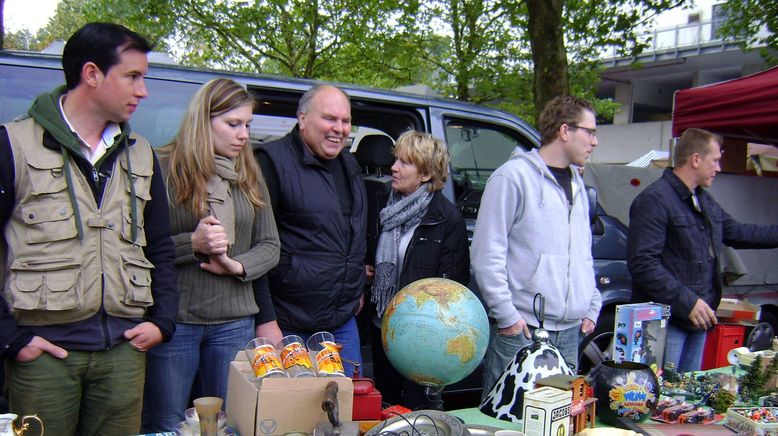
(151, 18)
(752, 384)
(472, 50)
(721, 400)
(21, 40)
(745, 21)
(670, 375)
(309, 39)
(480, 50)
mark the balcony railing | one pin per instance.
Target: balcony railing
(678, 41)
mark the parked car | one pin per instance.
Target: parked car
(479, 138)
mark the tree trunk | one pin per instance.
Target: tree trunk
(547, 41)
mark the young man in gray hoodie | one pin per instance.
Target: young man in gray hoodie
(533, 236)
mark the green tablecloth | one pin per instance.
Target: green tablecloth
(474, 416)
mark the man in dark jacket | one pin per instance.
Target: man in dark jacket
(318, 198)
(676, 234)
(89, 282)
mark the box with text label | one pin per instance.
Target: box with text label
(639, 333)
(280, 405)
(547, 412)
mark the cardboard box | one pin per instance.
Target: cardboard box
(732, 310)
(547, 412)
(739, 419)
(281, 405)
(639, 333)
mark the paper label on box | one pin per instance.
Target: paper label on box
(538, 423)
(534, 420)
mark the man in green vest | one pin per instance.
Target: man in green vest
(89, 282)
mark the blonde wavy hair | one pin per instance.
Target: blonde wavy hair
(191, 154)
(429, 154)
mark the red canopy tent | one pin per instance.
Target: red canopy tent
(744, 108)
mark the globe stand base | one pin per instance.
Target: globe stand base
(434, 397)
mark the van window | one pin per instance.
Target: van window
(477, 149)
(21, 85)
(389, 118)
(157, 118)
(160, 114)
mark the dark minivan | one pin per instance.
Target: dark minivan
(479, 138)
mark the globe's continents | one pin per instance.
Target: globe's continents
(435, 332)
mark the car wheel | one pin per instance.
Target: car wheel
(596, 347)
(761, 336)
(770, 316)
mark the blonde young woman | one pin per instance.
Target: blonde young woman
(225, 237)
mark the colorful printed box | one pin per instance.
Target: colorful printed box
(639, 333)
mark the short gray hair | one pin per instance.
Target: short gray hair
(305, 100)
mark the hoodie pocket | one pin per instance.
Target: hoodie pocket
(550, 279)
(45, 284)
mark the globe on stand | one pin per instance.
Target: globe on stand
(435, 332)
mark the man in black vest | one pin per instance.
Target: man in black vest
(318, 198)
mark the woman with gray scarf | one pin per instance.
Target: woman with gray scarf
(422, 235)
(225, 236)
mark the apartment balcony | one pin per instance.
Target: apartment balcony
(670, 43)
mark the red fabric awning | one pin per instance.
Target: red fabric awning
(745, 108)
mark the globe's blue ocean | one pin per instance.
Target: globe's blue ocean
(435, 332)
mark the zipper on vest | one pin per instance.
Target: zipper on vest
(100, 245)
(104, 315)
(95, 175)
(106, 331)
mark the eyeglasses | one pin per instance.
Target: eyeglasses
(592, 132)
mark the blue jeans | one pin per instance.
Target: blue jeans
(346, 335)
(502, 349)
(87, 393)
(195, 363)
(683, 348)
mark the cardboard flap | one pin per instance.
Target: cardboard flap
(283, 399)
(241, 405)
(281, 405)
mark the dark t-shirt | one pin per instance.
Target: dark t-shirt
(565, 180)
